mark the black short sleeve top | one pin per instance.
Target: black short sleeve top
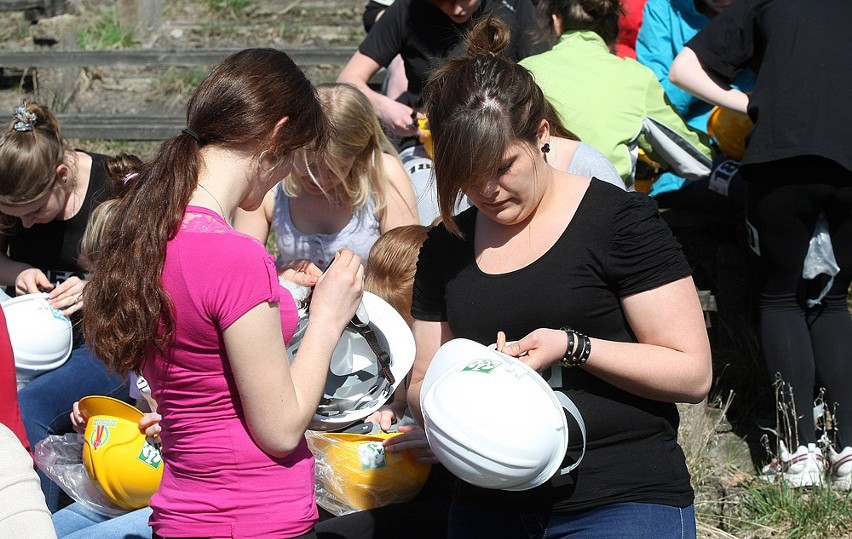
(423, 35)
(615, 245)
(801, 57)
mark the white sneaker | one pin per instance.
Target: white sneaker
(841, 468)
(804, 468)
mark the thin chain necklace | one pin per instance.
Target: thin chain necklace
(224, 216)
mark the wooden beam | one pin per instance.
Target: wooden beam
(34, 9)
(93, 126)
(303, 56)
(20, 5)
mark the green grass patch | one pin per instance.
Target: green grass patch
(105, 32)
(818, 513)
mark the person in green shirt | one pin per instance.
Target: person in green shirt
(614, 104)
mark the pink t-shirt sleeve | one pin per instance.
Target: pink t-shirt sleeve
(239, 275)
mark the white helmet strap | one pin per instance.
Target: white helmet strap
(572, 409)
(362, 393)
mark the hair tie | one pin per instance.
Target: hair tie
(26, 120)
(193, 134)
(129, 176)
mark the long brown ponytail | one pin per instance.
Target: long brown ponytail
(237, 104)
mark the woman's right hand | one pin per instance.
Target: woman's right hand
(338, 290)
(32, 280)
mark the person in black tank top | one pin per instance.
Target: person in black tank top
(47, 192)
(576, 277)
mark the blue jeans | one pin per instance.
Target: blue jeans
(77, 522)
(46, 402)
(614, 521)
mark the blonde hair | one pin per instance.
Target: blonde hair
(356, 137)
(391, 265)
(120, 170)
(94, 231)
(29, 157)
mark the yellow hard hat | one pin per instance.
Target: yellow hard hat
(729, 129)
(116, 455)
(357, 472)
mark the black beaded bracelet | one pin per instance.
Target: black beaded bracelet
(579, 354)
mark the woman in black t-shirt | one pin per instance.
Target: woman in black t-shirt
(47, 191)
(424, 32)
(541, 251)
(797, 166)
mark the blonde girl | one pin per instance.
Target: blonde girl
(344, 196)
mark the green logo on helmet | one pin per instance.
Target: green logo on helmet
(372, 456)
(482, 365)
(150, 455)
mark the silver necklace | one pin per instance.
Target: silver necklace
(224, 216)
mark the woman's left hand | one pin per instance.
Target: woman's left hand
(149, 425)
(540, 349)
(68, 296)
(386, 417)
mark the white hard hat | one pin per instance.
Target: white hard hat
(368, 364)
(492, 420)
(41, 335)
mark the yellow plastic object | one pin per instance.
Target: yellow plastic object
(426, 138)
(355, 473)
(729, 129)
(647, 172)
(117, 455)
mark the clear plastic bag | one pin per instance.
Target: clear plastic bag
(820, 259)
(61, 458)
(354, 473)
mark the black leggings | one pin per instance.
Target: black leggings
(803, 345)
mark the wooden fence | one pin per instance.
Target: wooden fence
(34, 9)
(151, 127)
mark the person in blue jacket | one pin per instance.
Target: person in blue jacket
(666, 27)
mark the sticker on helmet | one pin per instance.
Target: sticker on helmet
(100, 434)
(150, 455)
(372, 456)
(482, 365)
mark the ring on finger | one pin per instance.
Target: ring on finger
(79, 298)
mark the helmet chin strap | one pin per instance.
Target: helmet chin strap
(366, 331)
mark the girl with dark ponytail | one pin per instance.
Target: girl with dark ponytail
(196, 307)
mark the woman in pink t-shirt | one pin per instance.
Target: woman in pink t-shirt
(197, 308)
